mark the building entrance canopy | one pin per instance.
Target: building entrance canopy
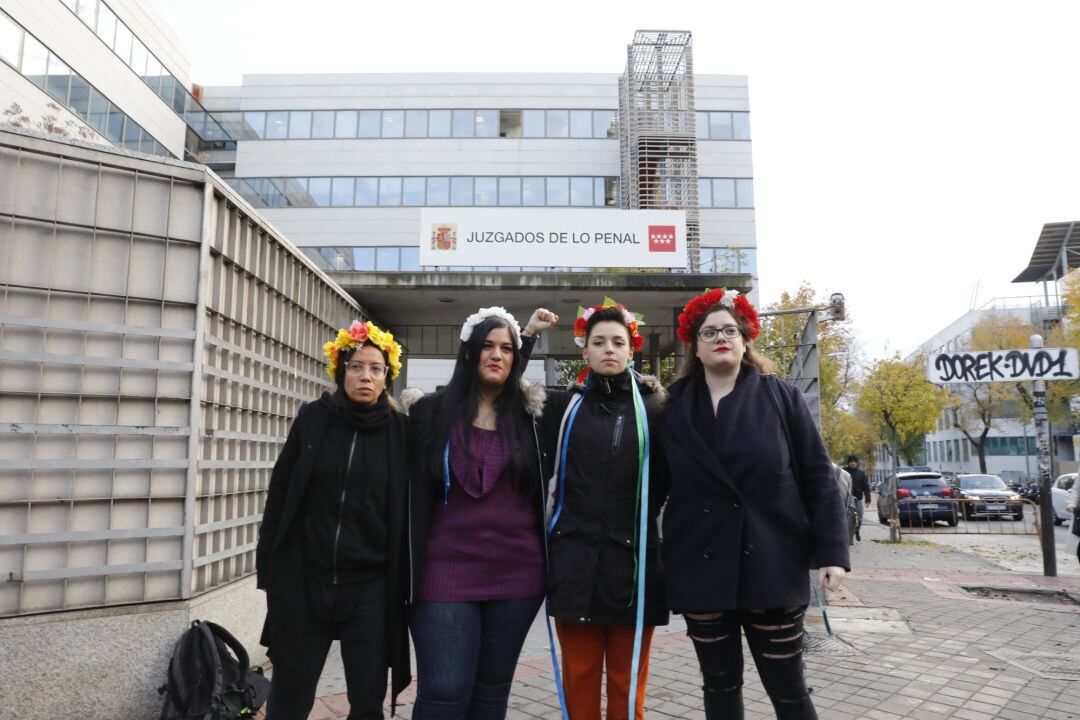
(425, 310)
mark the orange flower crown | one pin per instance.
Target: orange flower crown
(630, 319)
(729, 299)
(355, 336)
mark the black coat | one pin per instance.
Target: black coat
(592, 547)
(860, 485)
(426, 479)
(739, 531)
(279, 555)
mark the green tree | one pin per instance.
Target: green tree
(903, 406)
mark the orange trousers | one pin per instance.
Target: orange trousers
(585, 651)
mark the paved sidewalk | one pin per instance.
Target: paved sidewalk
(910, 643)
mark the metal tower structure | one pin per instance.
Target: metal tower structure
(657, 129)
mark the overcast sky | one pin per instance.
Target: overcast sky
(904, 152)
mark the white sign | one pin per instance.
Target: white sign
(1004, 365)
(552, 238)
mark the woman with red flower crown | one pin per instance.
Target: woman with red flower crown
(752, 506)
(603, 586)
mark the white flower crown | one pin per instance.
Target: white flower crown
(483, 314)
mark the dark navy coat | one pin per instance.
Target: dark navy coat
(740, 532)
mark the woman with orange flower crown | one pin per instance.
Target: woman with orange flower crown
(476, 519)
(752, 506)
(331, 554)
(604, 587)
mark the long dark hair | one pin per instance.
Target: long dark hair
(692, 366)
(461, 404)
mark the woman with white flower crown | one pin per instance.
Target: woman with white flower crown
(331, 554)
(476, 518)
(752, 506)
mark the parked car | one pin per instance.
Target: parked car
(987, 496)
(1060, 492)
(916, 495)
(913, 468)
(949, 476)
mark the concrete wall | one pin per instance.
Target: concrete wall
(107, 664)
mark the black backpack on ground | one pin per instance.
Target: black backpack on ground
(207, 682)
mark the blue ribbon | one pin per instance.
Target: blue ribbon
(446, 473)
(643, 536)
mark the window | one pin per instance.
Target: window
(369, 123)
(486, 190)
(558, 123)
(296, 194)
(99, 111)
(277, 125)
(390, 191)
(720, 126)
(558, 191)
(598, 192)
(322, 124)
(393, 123)
(122, 43)
(416, 123)
(509, 191)
(367, 190)
(487, 123)
(581, 191)
(153, 73)
(319, 189)
(410, 259)
(79, 98)
(342, 193)
(59, 79)
(532, 123)
(138, 57)
(605, 124)
(701, 119)
(611, 191)
(532, 190)
(345, 124)
(744, 193)
(413, 191)
(723, 193)
(464, 123)
(88, 11)
(740, 124)
(704, 191)
(439, 123)
(106, 25)
(255, 124)
(300, 124)
(510, 123)
(386, 259)
(461, 191)
(363, 258)
(10, 40)
(581, 123)
(438, 191)
(35, 61)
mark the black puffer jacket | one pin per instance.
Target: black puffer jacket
(592, 548)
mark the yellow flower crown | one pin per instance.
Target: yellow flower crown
(355, 336)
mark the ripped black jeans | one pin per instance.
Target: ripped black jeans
(776, 642)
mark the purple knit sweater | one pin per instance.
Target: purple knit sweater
(485, 542)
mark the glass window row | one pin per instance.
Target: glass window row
(463, 123)
(407, 259)
(40, 66)
(428, 191)
(97, 16)
(723, 125)
(726, 192)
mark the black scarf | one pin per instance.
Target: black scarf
(362, 416)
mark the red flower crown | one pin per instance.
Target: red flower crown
(729, 299)
(631, 320)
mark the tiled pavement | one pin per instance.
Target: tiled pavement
(914, 645)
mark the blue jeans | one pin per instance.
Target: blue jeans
(466, 653)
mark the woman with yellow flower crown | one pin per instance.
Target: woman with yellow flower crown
(331, 554)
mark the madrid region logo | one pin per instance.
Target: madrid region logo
(443, 237)
(661, 238)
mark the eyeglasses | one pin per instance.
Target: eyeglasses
(710, 334)
(376, 370)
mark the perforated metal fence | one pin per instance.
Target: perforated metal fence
(156, 341)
